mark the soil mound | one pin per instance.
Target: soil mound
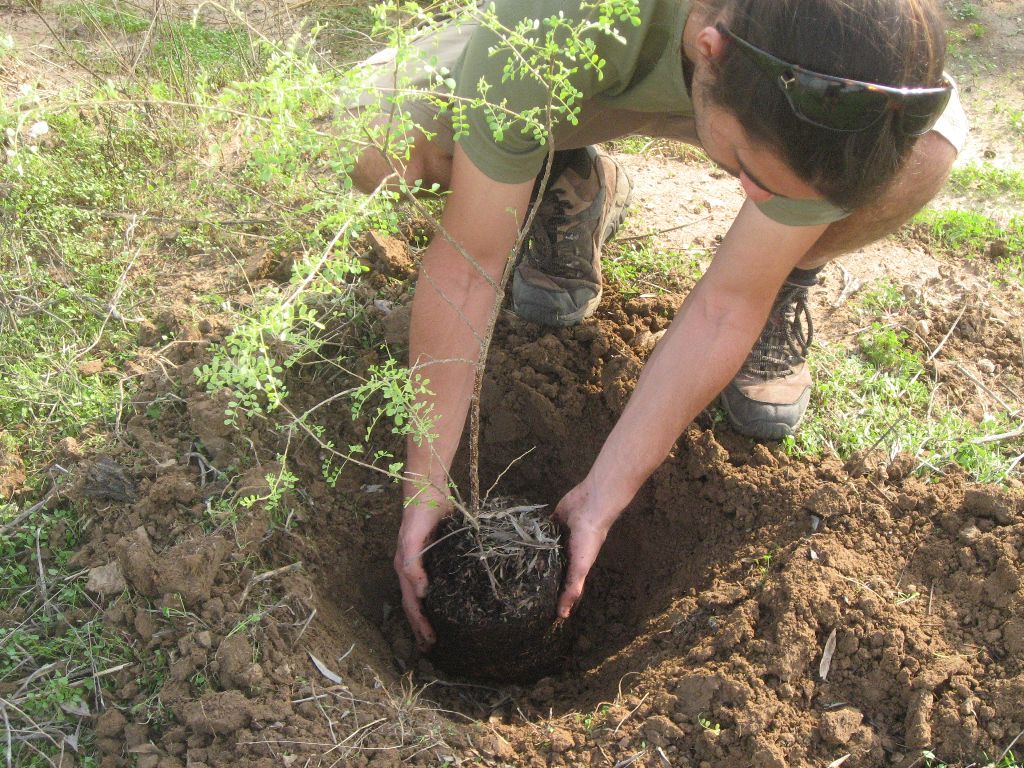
(748, 608)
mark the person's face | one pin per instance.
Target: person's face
(761, 170)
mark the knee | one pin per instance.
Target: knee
(927, 170)
(426, 163)
(370, 171)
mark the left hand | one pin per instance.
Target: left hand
(588, 521)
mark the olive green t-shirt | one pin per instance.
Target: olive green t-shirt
(642, 72)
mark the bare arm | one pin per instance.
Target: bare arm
(450, 312)
(705, 346)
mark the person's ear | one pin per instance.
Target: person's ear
(710, 43)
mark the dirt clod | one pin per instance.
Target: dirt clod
(218, 713)
(106, 580)
(106, 480)
(838, 726)
(110, 724)
(236, 666)
(187, 569)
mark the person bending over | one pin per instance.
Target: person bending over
(835, 116)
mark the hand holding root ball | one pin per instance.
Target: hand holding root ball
(585, 521)
(579, 511)
(419, 521)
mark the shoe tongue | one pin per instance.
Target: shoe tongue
(576, 159)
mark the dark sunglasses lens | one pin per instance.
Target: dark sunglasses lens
(919, 113)
(835, 104)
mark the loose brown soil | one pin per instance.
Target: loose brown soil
(701, 635)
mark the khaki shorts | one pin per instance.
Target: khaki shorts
(597, 121)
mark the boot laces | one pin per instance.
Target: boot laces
(548, 247)
(786, 337)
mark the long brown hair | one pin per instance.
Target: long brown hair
(890, 42)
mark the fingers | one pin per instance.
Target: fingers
(418, 524)
(413, 581)
(584, 544)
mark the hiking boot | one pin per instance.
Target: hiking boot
(768, 397)
(557, 280)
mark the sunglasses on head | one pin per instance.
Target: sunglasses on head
(841, 104)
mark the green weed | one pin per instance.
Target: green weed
(345, 31)
(885, 348)
(961, 10)
(971, 234)
(709, 726)
(638, 268)
(883, 298)
(278, 485)
(103, 16)
(53, 646)
(987, 180)
(65, 264)
(1007, 760)
(880, 397)
(1014, 118)
(190, 55)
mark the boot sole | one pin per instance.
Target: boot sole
(762, 428)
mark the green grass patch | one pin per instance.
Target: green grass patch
(961, 10)
(345, 31)
(103, 16)
(191, 55)
(880, 396)
(985, 180)
(882, 298)
(642, 145)
(66, 251)
(638, 267)
(182, 54)
(52, 641)
(1014, 119)
(1007, 760)
(971, 234)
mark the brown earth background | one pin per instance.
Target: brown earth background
(749, 608)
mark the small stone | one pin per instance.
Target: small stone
(106, 580)
(986, 366)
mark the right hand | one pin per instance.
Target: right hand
(419, 520)
(589, 515)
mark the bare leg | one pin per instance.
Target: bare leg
(919, 182)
